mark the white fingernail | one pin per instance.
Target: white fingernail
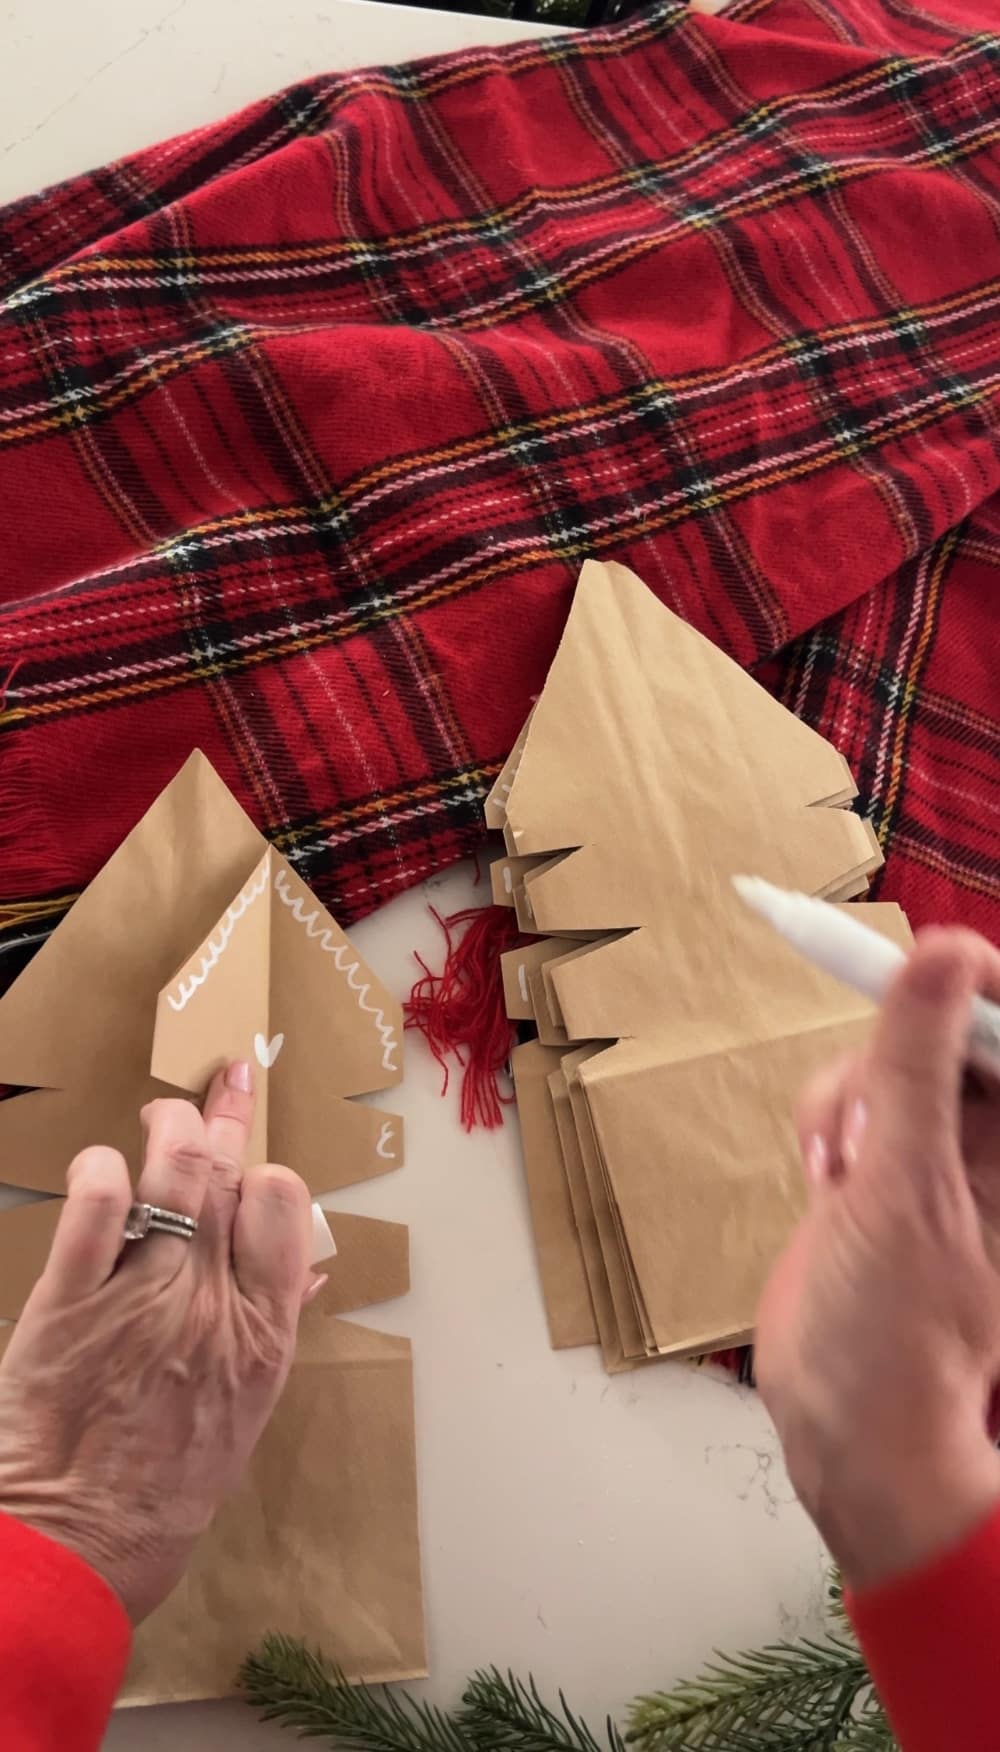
(323, 1244)
(854, 1131)
(817, 1160)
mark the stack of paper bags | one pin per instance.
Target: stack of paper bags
(674, 1029)
(197, 944)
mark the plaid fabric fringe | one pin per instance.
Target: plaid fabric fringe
(308, 419)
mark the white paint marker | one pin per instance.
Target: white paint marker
(830, 938)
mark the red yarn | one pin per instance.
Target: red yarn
(460, 1011)
(739, 1362)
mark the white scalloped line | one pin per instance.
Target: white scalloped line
(219, 940)
(321, 935)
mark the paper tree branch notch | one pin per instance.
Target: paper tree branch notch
(651, 769)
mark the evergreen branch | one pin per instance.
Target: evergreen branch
(504, 1712)
(869, 1731)
(791, 1697)
(805, 1696)
(292, 1685)
(836, 1608)
(300, 1689)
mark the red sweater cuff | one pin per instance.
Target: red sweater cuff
(931, 1640)
(64, 1645)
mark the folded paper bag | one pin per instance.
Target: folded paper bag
(320, 1541)
(651, 769)
(196, 943)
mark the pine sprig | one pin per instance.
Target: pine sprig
(870, 1732)
(835, 1605)
(807, 1696)
(789, 1697)
(302, 1690)
(501, 1711)
(290, 1684)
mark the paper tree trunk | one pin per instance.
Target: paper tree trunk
(196, 944)
(662, 1162)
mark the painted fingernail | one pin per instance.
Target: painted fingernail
(316, 1284)
(240, 1076)
(817, 1160)
(854, 1131)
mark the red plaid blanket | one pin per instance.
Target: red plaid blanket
(308, 419)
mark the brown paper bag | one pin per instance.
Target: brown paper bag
(195, 944)
(560, 1260)
(595, 1266)
(652, 769)
(320, 1542)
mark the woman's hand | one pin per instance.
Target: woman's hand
(136, 1383)
(878, 1341)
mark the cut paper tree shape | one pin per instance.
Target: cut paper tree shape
(651, 770)
(119, 1007)
(198, 943)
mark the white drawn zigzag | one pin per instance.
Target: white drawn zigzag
(219, 939)
(321, 934)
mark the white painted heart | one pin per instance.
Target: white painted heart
(267, 1050)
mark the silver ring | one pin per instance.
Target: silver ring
(144, 1217)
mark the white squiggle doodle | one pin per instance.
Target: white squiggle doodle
(384, 1138)
(321, 934)
(219, 939)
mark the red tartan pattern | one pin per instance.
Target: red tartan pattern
(308, 420)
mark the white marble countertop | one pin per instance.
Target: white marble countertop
(652, 1521)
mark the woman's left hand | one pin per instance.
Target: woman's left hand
(138, 1381)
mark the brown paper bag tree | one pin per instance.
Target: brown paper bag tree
(196, 944)
(651, 770)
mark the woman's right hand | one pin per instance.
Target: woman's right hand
(878, 1339)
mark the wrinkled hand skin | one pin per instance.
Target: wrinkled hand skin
(878, 1336)
(140, 1377)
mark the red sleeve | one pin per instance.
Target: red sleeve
(932, 1643)
(64, 1644)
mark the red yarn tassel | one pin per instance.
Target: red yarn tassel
(739, 1362)
(460, 1011)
